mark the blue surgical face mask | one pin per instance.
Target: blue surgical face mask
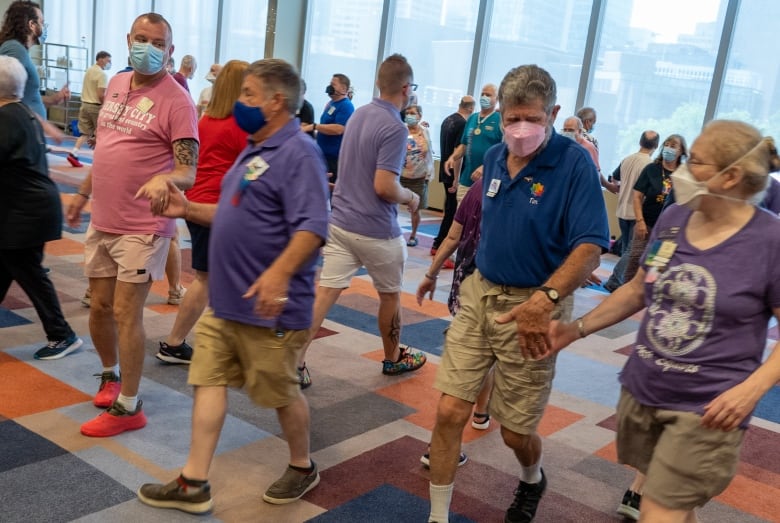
(485, 102)
(250, 119)
(411, 119)
(44, 34)
(669, 154)
(571, 135)
(146, 59)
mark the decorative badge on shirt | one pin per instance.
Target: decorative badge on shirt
(255, 168)
(144, 105)
(537, 190)
(495, 184)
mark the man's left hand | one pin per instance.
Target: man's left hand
(533, 323)
(156, 191)
(270, 291)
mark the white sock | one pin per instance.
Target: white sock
(75, 151)
(532, 474)
(441, 495)
(130, 403)
(114, 369)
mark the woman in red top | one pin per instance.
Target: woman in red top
(221, 140)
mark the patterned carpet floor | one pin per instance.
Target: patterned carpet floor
(368, 430)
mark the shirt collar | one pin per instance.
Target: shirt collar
(278, 138)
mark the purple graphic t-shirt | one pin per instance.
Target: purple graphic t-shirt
(707, 315)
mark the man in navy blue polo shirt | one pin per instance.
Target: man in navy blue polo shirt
(544, 226)
(266, 229)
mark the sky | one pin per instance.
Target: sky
(669, 18)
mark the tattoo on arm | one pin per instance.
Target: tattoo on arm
(186, 151)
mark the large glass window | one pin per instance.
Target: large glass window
(69, 37)
(194, 26)
(654, 70)
(437, 37)
(243, 30)
(343, 37)
(113, 22)
(549, 33)
(751, 88)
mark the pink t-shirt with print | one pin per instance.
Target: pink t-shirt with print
(135, 134)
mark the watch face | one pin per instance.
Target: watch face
(553, 294)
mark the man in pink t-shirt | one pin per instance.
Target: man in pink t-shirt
(147, 136)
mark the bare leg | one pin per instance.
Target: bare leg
(415, 223)
(102, 327)
(639, 482)
(208, 416)
(129, 301)
(389, 319)
(323, 301)
(527, 447)
(452, 414)
(294, 419)
(173, 265)
(190, 310)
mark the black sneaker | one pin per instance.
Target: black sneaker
(425, 459)
(175, 353)
(57, 349)
(527, 497)
(177, 494)
(629, 507)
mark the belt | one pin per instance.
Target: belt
(90, 103)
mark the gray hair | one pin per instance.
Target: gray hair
(13, 77)
(526, 84)
(279, 77)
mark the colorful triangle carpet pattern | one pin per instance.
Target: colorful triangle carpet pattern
(368, 430)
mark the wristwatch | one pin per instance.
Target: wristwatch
(551, 293)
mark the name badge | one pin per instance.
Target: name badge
(495, 184)
(331, 111)
(144, 105)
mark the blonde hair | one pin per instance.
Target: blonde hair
(736, 143)
(227, 89)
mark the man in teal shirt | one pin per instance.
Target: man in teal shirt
(482, 131)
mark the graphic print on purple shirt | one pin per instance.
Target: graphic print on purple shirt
(706, 322)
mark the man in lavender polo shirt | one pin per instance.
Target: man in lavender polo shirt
(364, 230)
(265, 232)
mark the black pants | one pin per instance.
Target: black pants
(450, 206)
(333, 167)
(24, 266)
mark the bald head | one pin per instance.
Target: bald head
(467, 104)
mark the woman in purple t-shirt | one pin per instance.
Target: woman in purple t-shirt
(710, 280)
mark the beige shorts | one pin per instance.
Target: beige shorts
(346, 252)
(475, 341)
(232, 354)
(419, 187)
(686, 464)
(88, 115)
(131, 258)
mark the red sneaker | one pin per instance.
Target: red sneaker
(448, 264)
(110, 385)
(434, 250)
(115, 420)
(74, 161)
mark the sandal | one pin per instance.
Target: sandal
(412, 242)
(480, 420)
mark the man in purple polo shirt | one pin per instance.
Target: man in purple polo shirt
(271, 218)
(364, 230)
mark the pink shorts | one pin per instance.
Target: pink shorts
(131, 258)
